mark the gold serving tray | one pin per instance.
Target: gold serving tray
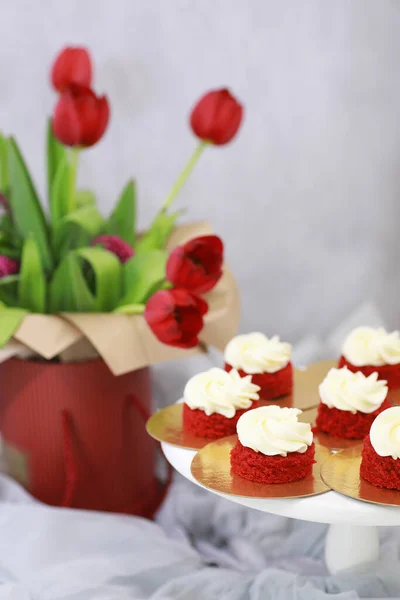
(166, 424)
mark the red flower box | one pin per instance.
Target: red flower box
(75, 434)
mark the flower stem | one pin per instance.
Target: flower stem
(74, 156)
(179, 183)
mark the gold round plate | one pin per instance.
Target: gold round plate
(306, 383)
(342, 473)
(166, 425)
(212, 468)
(305, 393)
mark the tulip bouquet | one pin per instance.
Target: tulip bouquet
(89, 304)
(71, 259)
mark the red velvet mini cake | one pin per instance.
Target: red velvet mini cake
(372, 350)
(350, 402)
(273, 446)
(215, 400)
(380, 464)
(266, 360)
(211, 426)
(346, 425)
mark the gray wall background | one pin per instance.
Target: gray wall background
(307, 198)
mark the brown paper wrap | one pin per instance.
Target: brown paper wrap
(125, 342)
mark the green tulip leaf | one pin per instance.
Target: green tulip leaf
(130, 309)
(77, 229)
(9, 290)
(143, 275)
(9, 236)
(122, 220)
(108, 276)
(59, 200)
(4, 178)
(88, 218)
(56, 154)
(7, 250)
(84, 198)
(10, 320)
(69, 291)
(157, 236)
(27, 213)
(32, 282)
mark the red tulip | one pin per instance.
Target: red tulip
(80, 117)
(71, 67)
(216, 117)
(116, 245)
(197, 265)
(8, 266)
(176, 317)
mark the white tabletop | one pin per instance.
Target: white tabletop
(325, 508)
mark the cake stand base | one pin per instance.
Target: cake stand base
(352, 537)
(349, 546)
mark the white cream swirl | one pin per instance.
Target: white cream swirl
(273, 431)
(216, 391)
(352, 392)
(385, 433)
(255, 353)
(369, 346)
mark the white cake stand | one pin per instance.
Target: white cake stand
(352, 537)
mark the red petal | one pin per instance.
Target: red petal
(203, 113)
(93, 117)
(187, 342)
(207, 284)
(167, 332)
(104, 115)
(65, 122)
(174, 262)
(159, 307)
(200, 304)
(178, 267)
(72, 66)
(207, 250)
(227, 122)
(213, 242)
(81, 91)
(181, 297)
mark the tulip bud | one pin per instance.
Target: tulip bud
(71, 67)
(216, 117)
(8, 266)
(80, 117)
(116, 245)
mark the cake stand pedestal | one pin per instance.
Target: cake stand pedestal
(352, 537)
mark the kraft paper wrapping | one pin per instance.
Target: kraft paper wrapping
(125, 342)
